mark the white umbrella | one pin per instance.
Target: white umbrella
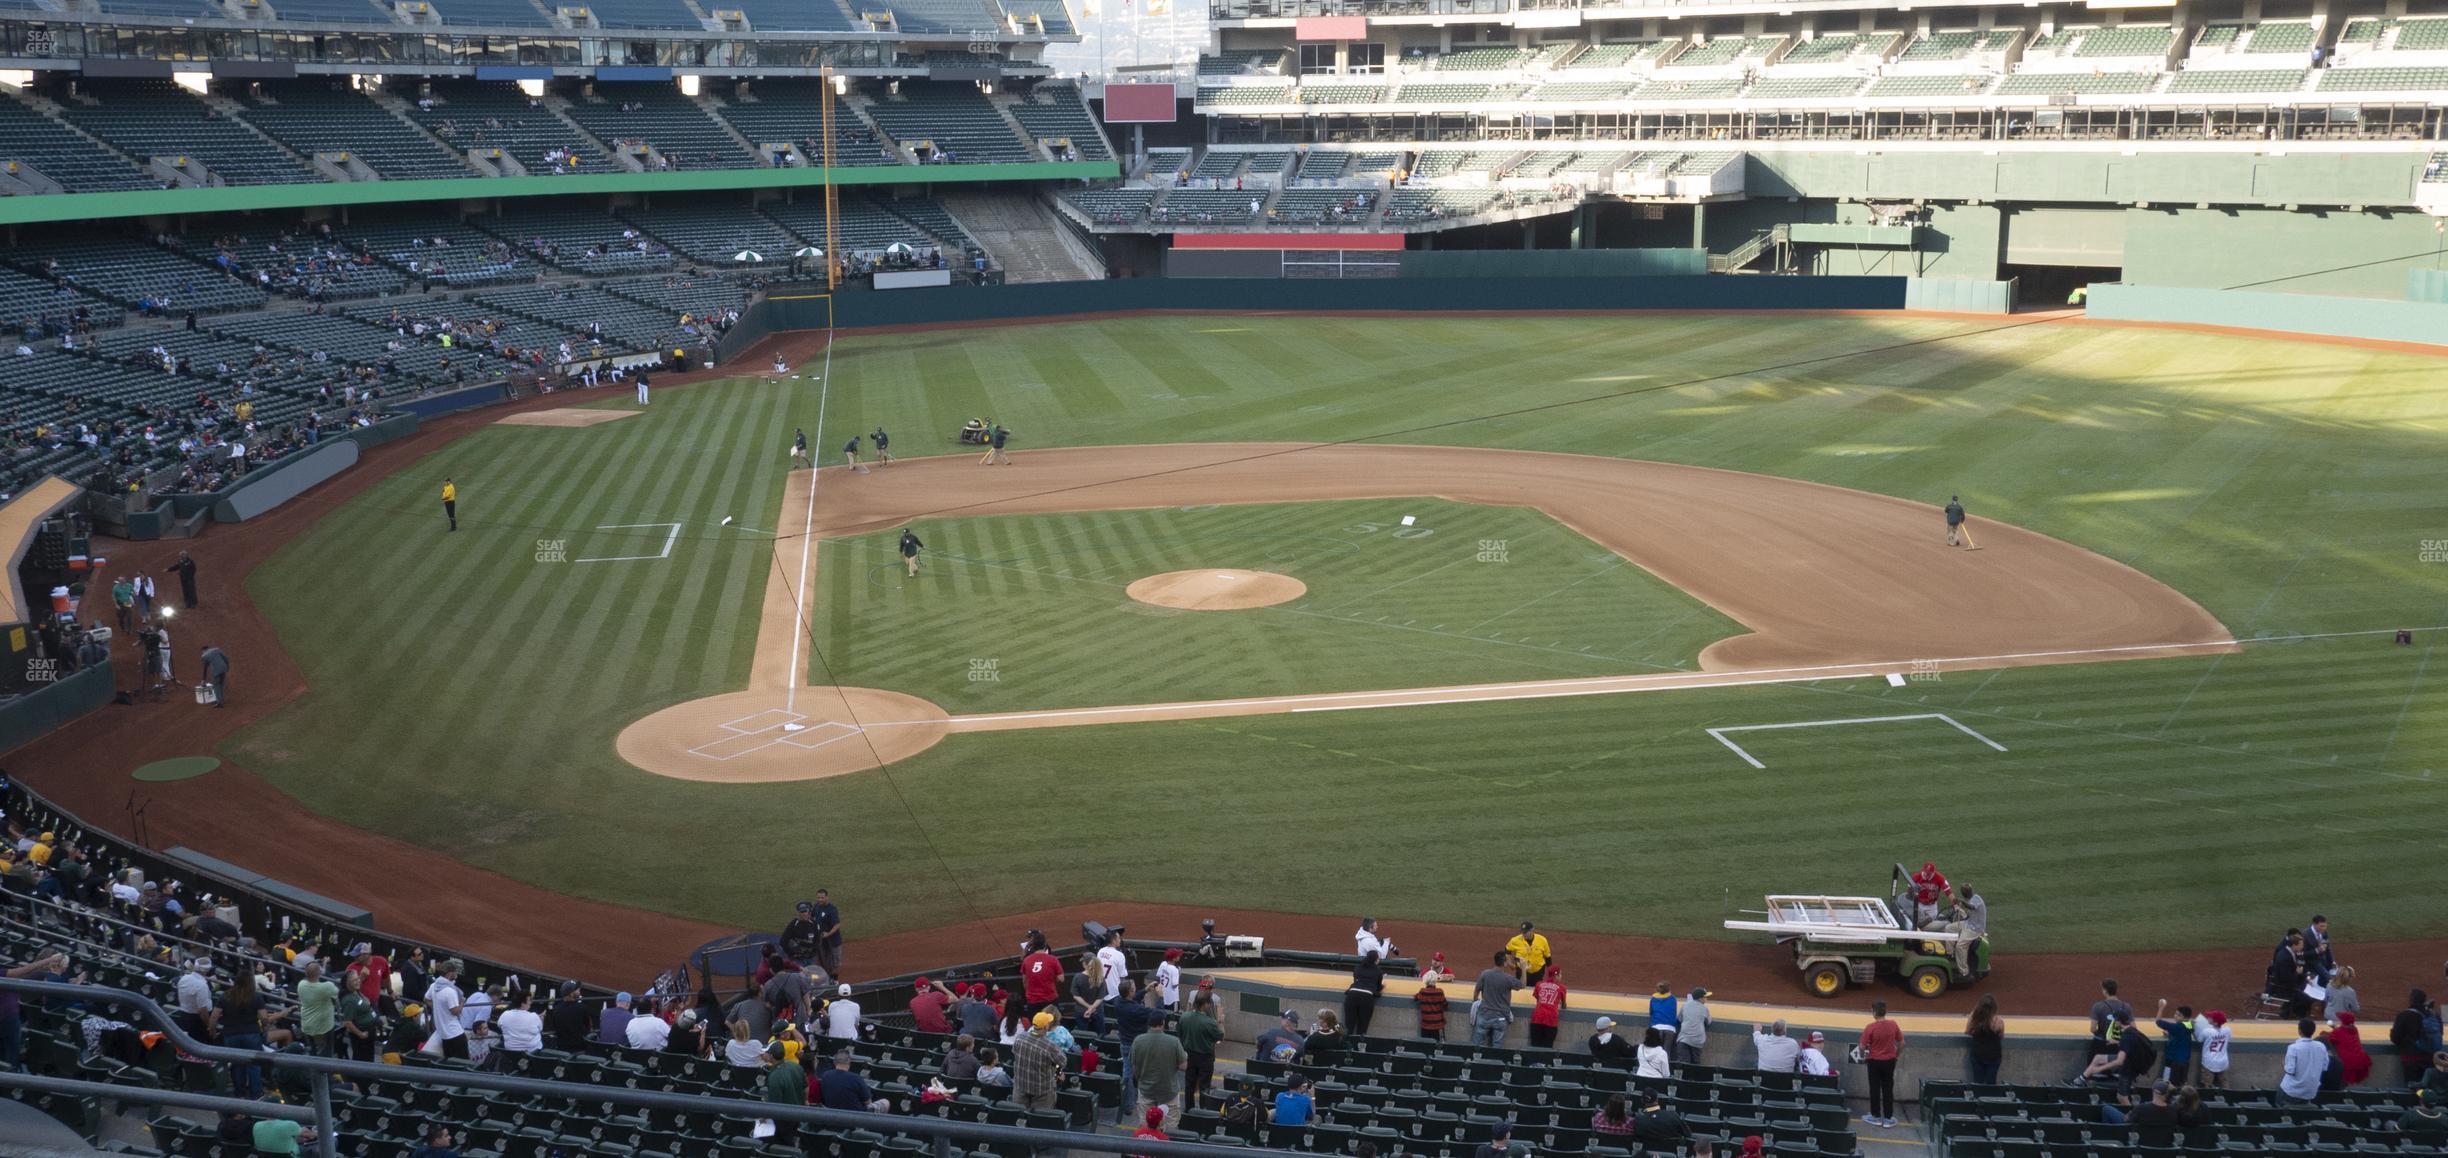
(897, 247)
(809, 251)
(747, 255)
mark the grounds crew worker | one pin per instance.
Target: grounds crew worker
(910, 547)
(850, 451)
(994, 453)
(450, 503)
(882, 441)
(798, 451)
(1957, 529)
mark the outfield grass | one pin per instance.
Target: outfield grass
(466, 695)
(999, 618)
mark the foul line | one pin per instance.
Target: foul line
(807, 545)
(1747, 758)
(665, 553)
(1579, 686)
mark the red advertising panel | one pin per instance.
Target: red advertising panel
(1330, 28)
(1288, 241)
(1139, 104)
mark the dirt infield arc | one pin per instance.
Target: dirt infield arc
(1832, 582)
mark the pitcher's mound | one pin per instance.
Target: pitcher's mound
(1217, 590)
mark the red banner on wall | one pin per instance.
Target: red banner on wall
(1139, 104)
(1385, 241)
(1330, 28)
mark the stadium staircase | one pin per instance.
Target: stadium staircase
(1019, 234)
(559, 106)
(1737, 259)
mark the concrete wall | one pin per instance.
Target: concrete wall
(2296, 175)
(2243, 248)
(2398, 321)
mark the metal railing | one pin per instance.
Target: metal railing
(940, 1133)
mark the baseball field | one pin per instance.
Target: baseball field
(2162, 707)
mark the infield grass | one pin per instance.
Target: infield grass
(466, 693)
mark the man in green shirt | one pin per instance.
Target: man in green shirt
(785, 1085)
(1156, 1063)
(1199, 1035)
(123, 602)
(279, 1136)
(317, 1000)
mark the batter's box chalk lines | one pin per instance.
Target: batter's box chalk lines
(665, 553)
(1747, 758)
(759, 731)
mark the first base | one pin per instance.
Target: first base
(1410, 519)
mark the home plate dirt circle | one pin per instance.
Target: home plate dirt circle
(764, 736)
(1209, 589)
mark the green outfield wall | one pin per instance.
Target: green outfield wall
(2391, 321)
(958, 304)
(230, 199)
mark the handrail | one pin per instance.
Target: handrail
(939, 1130)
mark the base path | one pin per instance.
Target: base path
(568, 416)
(1833, 583)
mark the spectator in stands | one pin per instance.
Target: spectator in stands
(1650, 1062)
(842, 1016)
(753, 1009)
(1615, 1117)
(1200, 1033)
(12, 1021)
(1691, 1036)
(568, 1022)
(2210, 1039)
(1985, 1047)
(1777, 1052)
(238, 1022)
(1429, 1003)
(318, 1002)
(522, 1028)
(648, 1032)
(280, 1136)
(2154, 1121)
(1282, 1041)
(1662, 1009)
(2127, 1060)
(1156, 1062)
(1499, 1143)
(1492, 1001)
(448, 1005)
(2178, 1055)
(840, 1088)
(1295, 1105)
(613, 1027)
(931, 1006)
(1037, 1065)
(1325, 1043)
(1882, 1044)
(437, 1143)
(1608, 1045)
(2104, 1010)
(2416, 1035)
(1659, 1128)
(2353, 1061)
(1547, 1000)
(194, 996)
(978, 1013)
(2424, 1126)
(788, 989)
(359, 1031)
(1088, 995)
(2306, 1059)
(960, 1063)
(1360, 998)
(1532, 952)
